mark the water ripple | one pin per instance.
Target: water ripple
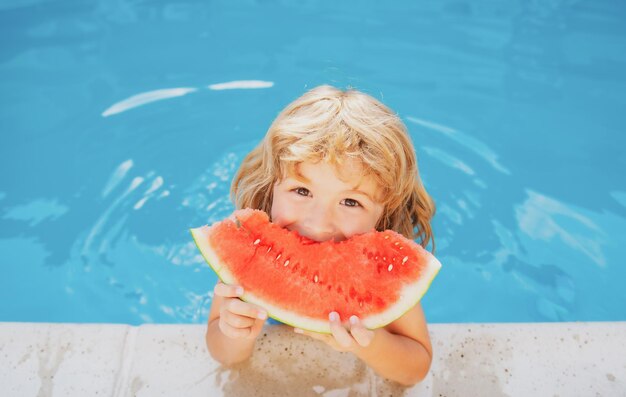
(117, 176)
(167, 93)
(448, 159)
(475, 145)
(620, 197)
(544, 218)
(146, 97)
(241, 84)
(36, 211)
(156, 184)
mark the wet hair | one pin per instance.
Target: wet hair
(331, 125)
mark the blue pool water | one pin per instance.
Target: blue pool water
(119, 131)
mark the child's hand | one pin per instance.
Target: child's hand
(340, 338)
(238, 319)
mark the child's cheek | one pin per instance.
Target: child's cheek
(351, 226)
(348, 226)
(283, 211)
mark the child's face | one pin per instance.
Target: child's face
(327, 207)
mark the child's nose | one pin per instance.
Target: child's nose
(319, 224)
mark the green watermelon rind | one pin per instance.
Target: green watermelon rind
(411, 294)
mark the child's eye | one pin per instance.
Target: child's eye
(302, 191)
(351, 203)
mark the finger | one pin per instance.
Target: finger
(256, 328)
(228, 291)
(362, 335)
(232, 332)
(242, 308)
(340, 334)
(237, 321)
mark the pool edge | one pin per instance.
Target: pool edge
(570, 358)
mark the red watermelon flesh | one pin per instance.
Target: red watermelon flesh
(377, 276)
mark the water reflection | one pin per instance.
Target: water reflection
(117, 176)
(620, 197)
(544, 218)
(448, 159)
(145, 98)
(167, 93)
(520, 107)
(241, 84)
(36, 211)
(527, 247)
(121, 262)
(464, 139)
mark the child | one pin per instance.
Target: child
(332, 165)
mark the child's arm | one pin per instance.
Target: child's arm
(233, 325)
(401, 351)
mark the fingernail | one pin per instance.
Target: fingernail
(262, 315)
(333, 316)
(354, 320)
(297, 330)
(239, 291)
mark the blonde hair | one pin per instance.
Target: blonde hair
(333, 125)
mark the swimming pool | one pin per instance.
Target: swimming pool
(122, 124)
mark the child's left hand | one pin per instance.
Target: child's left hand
(340, 338)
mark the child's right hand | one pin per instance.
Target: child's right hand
(238, 319)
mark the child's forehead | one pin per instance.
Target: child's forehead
(349, 171)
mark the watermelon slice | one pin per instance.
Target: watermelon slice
(377, 276)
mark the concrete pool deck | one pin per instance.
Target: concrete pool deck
(517, 359)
